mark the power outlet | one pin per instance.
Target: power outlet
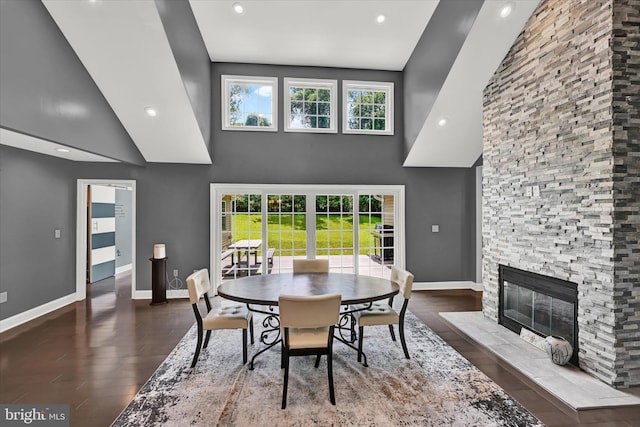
(3, 297)
(175, 272)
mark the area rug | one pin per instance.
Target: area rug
(436, 387)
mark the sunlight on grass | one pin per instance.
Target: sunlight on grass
(287, 232)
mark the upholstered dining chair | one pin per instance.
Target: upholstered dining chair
(224, 317)
(310, 266)
(384, 314)
(307, 325)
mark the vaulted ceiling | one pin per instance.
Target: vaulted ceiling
(124, 47)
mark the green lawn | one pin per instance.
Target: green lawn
(287, 233)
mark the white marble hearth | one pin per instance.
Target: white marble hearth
(568, 383)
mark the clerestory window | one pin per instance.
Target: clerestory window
(367, 107)
(249, 103)
(310, 105)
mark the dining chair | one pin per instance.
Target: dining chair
(234, 316)
(384, 314)
(307, 329)
(310, 266)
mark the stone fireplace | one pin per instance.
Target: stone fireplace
(561, 172)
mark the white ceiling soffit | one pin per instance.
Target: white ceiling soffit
(26, 142)
(325, 33)
(124, 48)
(459, 142)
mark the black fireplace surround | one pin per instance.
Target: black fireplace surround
(542, 304)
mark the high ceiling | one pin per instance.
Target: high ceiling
(123, 46)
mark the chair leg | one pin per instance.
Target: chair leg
(404, 344)
(244, 346)
(318, 357)
(360, 338)
(332, 395)
(206, 340)
(251, 329)
(286, 379)
(199, 343)
(393, 335)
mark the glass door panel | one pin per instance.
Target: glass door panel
(241, 235)
(376, 225)
(335, 232)
(286, 230)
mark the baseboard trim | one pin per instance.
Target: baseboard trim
(123, 268)
(171, 294)
(432, 286)
(34, 313)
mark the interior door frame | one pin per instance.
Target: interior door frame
(81, 231)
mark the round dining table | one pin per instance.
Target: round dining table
(264, 290)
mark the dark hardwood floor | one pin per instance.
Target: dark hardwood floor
(96, 354)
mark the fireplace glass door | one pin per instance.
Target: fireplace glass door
(539, 312)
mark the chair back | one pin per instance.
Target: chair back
(404, 279)
(198, 284)
(309, 312)
(310, 265)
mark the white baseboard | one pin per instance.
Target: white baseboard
(171, 294)
(123, 268)
(25, 316)
(431, 286)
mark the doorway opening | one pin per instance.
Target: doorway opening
(94, 242)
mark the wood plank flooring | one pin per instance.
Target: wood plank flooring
(96, 354)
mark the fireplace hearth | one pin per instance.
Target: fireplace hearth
(542, 304)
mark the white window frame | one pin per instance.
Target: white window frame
(332, 85)
(218, 189)
(227, 80)
(386, 87)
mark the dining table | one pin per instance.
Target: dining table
(261, 292)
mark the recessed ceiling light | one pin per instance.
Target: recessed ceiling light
(380, 19)
(151, 112)
(506, 10)
(62, 150)
(238, 8)
(443, 121)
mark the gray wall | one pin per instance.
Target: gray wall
(37, 196)
(47, 92)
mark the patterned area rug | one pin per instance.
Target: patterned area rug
(436, 387)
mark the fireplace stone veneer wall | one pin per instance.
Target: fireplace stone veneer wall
(561, 171)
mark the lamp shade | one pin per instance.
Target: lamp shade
(159, 251)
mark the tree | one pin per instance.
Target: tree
(256, 120)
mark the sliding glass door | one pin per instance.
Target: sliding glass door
(261, 229)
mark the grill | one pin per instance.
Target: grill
(383, 243)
